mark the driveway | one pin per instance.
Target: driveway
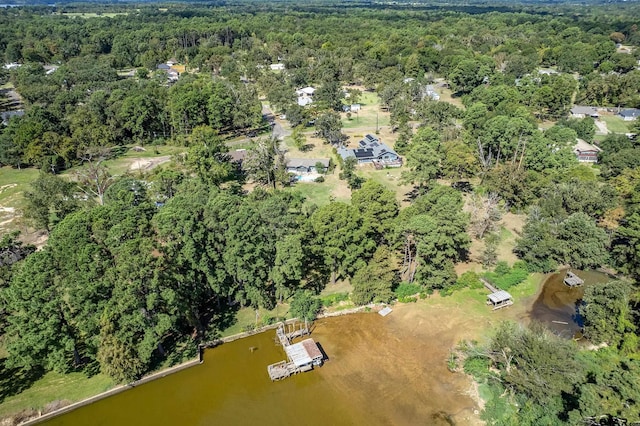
(601, 127)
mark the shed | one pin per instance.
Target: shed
(500, 299)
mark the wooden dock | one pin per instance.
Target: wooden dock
(572, 280)
(300, 356)
(282, 370)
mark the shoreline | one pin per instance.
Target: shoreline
(179, 367)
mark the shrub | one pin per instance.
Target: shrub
(406, 290)
(504, 277)
(478, 367)
(319, 179)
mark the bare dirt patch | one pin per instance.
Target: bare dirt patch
(146, 164)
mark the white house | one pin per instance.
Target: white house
(277, 67)
(305, 95)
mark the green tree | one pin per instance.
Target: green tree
(376, 281)
(329, 128)
(51, 198)
(378, 208)
(304, 305)
(581, 243)
(607, 312)
(340, 239)
(208, 156)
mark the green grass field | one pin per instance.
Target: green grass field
(54, 387)
(615, 124)
(369, 116)
(13, 183)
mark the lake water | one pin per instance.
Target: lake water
(378, 373)
(556, 306)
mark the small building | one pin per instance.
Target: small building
(572, 280)
(303, 166)
(580, 111)
(277, 67)
(8, 115)
(355, 107)
(372, 150)
(304, 354)
(586, 152)
(629, 114)
(499, 299)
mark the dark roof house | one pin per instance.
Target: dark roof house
(629, 114)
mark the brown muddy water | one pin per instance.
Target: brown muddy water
(379, 372)
(556, 306)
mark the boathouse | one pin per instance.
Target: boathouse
(304, 354)
(499, 299)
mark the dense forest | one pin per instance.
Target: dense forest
(138, 270)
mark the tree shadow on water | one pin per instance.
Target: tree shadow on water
(16, 380)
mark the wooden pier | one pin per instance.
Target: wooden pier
(301, 356)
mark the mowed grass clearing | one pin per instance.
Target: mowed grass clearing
(369, 114)
(615, 124)
(51, 387)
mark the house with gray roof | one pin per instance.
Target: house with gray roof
(580, 111)
(301, 166)
(372, 150)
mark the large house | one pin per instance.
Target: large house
(372, 150)
(305, 95)
(579, 111)
(629, 114)
(586, 152)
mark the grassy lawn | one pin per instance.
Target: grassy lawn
(53, 387)
(369, 116)
(321, 193)
(615, 124)
(246, 318)
(13, 183)
(527, 288)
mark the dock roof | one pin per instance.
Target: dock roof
(303, 353)
(499, 297)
